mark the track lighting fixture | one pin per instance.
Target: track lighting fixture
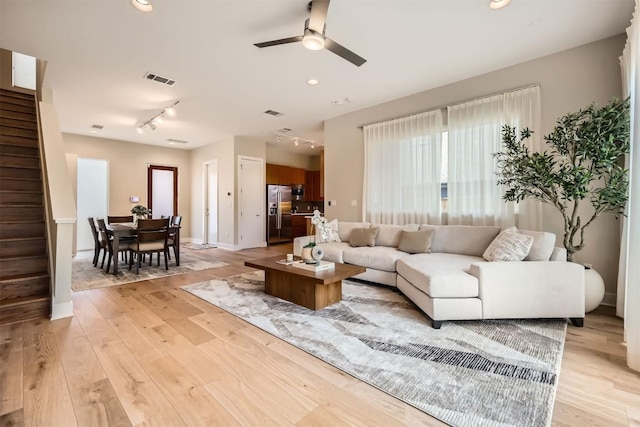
(297, 141)
(154, 121)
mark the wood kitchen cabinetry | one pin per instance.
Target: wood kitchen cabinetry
(298, 226)
(284, 175)
(312, 185)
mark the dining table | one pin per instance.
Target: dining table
(124, 229)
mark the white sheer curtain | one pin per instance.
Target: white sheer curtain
(402, 170)
(474, 134)
(628, 305)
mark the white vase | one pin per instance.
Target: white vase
(593, 289)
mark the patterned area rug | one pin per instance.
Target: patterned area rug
(491, 373)
(86, 276)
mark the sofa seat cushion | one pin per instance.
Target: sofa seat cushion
(333, 251)
(378, 257)
(440, 275)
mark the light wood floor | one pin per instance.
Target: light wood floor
(149, 354)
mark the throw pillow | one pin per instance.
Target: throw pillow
(509, 246)
(543, 243)
(363, 237)
(330, 233)
(415, 242)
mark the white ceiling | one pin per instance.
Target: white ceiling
(99, 50)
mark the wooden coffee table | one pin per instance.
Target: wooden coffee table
(306, 288)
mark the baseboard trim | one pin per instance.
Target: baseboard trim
(228, 247)
(609, 299)
(61, 310)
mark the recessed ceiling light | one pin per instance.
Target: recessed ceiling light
(498, 4)
(313, 82)
(143, 5)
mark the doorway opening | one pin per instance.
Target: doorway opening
(93, 197)
(210, 217)
(162, 190)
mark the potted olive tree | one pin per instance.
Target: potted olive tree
(583, 163)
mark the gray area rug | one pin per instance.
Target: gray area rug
(490, 373)
(85, 276)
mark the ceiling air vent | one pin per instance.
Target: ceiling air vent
(176, 141)
(97, 127)
(156, 78)
(274, 113)
(284, 130)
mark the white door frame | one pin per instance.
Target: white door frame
(241, 244)
(205, 199)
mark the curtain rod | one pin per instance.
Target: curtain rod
(449, 105)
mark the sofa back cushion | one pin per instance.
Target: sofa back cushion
(461, 239)
(344, 228)
(389, 235)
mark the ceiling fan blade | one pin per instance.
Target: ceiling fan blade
(343, 52)
(280, 41)
(318, 16)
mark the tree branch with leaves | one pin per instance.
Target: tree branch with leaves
(583, 161)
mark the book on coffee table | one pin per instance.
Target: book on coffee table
(320, 266)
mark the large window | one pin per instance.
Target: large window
(402, 182)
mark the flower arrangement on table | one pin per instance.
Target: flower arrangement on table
(320, 223)
(140, 211)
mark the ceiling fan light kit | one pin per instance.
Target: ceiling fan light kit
(314, 37)
(312, 40)
(143, 5)
(498, 4)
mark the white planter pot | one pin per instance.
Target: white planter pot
(593, 289)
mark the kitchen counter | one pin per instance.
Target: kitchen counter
(309, 214)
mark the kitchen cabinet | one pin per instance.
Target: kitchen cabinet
(284, 175)
(298, 226)
(321, 190)
(312, 186)
(297, 176)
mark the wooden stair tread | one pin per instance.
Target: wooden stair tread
(24, 300)
(21, 239)
(14, 94)
(24, 277)
(30, 156)
(18, 179)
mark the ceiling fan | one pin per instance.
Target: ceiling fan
(314, 38)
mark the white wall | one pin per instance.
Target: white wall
(222, 151)
(569, 81)
(278, 156)
(128, 171)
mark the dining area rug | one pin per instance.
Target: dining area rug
(85, 276)
(471, 373)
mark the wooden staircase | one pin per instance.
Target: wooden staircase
(24, 264)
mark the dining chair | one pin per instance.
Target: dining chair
(99, 243)
(151, 238)
(108, 242)
(111, 219)
(117, 219)
(174, 228)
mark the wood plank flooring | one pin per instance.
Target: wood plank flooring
(149, 354)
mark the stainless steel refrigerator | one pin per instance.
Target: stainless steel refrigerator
(278, 214)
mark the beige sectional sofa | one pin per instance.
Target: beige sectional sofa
(455, 282)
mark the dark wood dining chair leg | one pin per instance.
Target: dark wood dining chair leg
(166, 260)
(103, 257)
(109, 262)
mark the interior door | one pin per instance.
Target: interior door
(252, 222)
(93, 197)
(211, 203)
(162, 190)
